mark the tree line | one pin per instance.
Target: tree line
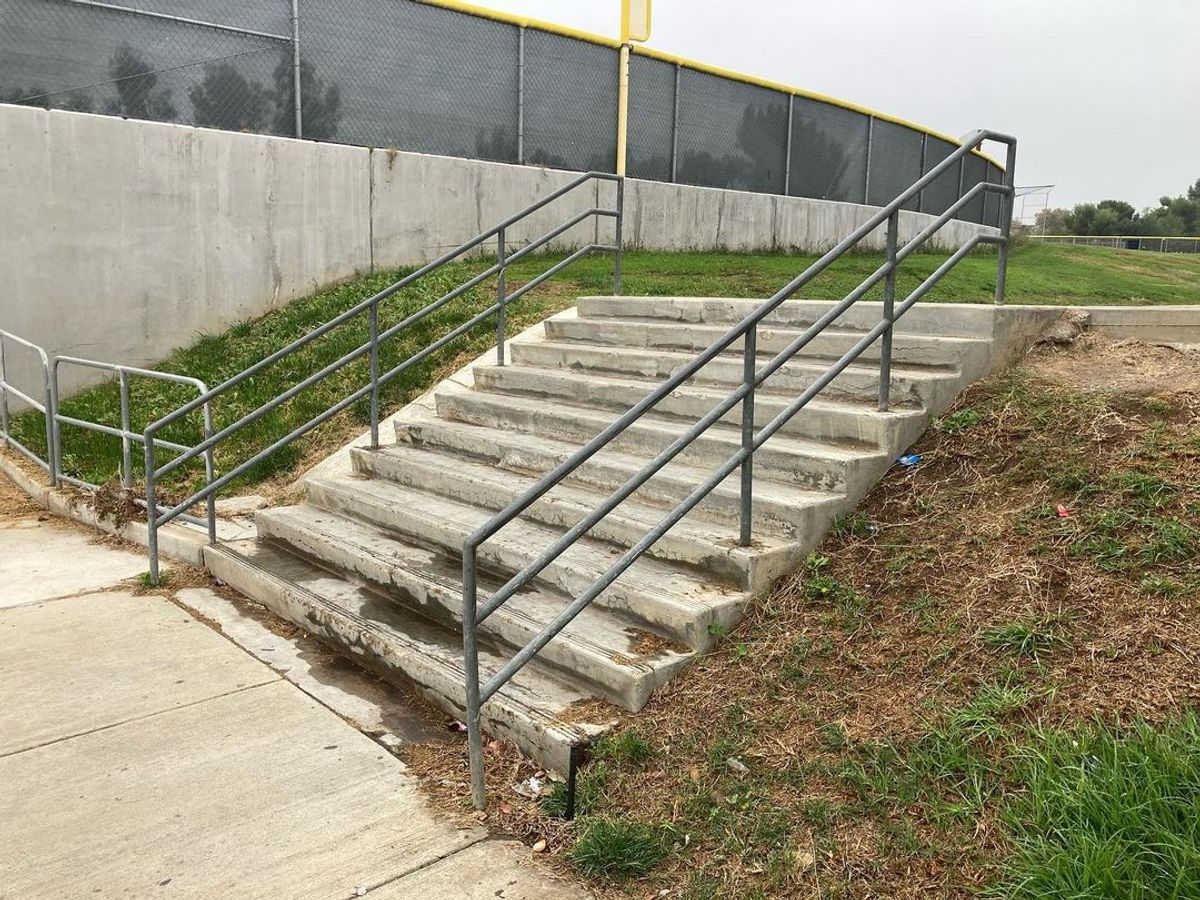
(224, 98)
(1173, 217)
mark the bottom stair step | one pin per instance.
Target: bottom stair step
(542, 715)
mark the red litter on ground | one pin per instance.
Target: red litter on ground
(1063, 512)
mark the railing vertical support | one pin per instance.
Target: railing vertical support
(53, 435)
(501, 295)
(1007, 200)
(4, 398)
(374, 326)
(210, 472)
(619, 238)
(471, 667)
(151, 508)
(889, 302)
(749, 370)
(126, 443)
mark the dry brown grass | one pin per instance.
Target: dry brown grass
(954, 580)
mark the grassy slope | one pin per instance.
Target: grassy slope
(953, 695)
(1038, 274)
(1041, 274)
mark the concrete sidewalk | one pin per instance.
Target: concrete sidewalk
(143, 753)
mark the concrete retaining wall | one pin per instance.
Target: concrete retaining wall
(122, 240)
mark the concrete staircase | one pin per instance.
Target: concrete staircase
(372, 560)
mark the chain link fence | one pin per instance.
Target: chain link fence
(422, 77)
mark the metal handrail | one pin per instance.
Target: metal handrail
(45, 406)
(474, 615)
(126, 433)
(370, 307)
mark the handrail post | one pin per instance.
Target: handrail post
(889, 302)
(374, 320)
(126, 443)
(501, 294)
(749, 364)
(151, 508)
(471, 669)
(1006, 209)
(53, 435)
(618, 240)
(210, 471)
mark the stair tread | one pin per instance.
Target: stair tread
(515, 442)
(898, 369)
(446, 522)
(419, 642)
(719, 430)
(604, 640)
(642, 513)
(775, 327)
(833, 405)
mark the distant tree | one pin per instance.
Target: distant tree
(1051, 221)
(227, 99)
(138, 96)
(497, 143)
(76, 101)
(321, 106)
(762, 136)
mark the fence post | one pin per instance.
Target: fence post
(619, 237)
(867, 172)
(501, 296)
(1006, 208)
(521, 95)
(889, 299)
(787, 149)
(151, 508)
(675, 127)
(924, 162)
(296, 102)
(749, 370)
(53, 435)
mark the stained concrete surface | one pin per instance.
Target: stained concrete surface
(142, 752)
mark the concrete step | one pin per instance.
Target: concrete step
(674, 601)
(785, 458)
(697, 542)
(832, 420)
(907, 349)
(937, 319)
(599, 647)
(914, 387)
(539, 711)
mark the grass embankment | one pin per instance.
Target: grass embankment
(964, 689)
(1037, 274)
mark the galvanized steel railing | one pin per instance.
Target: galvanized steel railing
(475, 614)
(370, 309)
(45, 406)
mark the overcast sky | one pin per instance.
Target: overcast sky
(1104, 95)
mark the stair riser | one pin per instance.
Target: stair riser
(819, 423)
(689, 626)
(748, 570)
(916, 350)
(643, 439)
(601, 474)
(957, 320)
(628, 687)
(550, 746)
(725, 371)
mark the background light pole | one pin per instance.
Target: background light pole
(635, 26)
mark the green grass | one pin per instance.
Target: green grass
(618, 848)
(1037, 274)
(1106, 811)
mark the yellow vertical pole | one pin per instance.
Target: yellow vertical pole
(622, 109)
